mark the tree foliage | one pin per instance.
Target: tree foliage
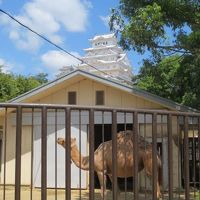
(170, 30)
(13, 85)
(143, 25)
(173, 78)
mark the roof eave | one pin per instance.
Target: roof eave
(136, 91)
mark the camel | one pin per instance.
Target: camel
(125, 164)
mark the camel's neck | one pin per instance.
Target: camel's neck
(79, 160)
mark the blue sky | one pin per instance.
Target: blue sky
(69, 23)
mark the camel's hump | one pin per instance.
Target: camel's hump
(128, 135)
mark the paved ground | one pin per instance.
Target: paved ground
(75, 195)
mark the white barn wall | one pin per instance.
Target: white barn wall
(26, 157)
(86, 89)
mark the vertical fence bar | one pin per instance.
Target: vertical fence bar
(186, 159)
(114, 155)
(18, 153)
(44, 155)
(179, 156)
(135, 154)
(68, 154)
(193, 157)
(162, 159)
(170, 156)
(91, 153)
(32, 139)
(56, 156)
(125, 140)
(5, 146)
(145, 148)
(80, 141)
(103, 140)
(154, 156)
(199, 151)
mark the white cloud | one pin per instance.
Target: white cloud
(54, 60)
(88, 3)
(14, 35)
(48, 17)
(105, 20)
(6, 67)
(27, 41)
(11, 66)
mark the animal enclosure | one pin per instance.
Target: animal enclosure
(104, 152)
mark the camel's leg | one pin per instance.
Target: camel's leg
(118, 190)
(148, 166)
(102, 181)
(158, 190)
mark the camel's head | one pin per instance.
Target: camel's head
(61, 141)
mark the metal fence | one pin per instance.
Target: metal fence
(126, 146)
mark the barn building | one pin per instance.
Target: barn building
(83, 87)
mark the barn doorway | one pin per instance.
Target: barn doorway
(98, 129)
(194, 162)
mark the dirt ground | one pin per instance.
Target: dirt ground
(36, 194)
(75, 194)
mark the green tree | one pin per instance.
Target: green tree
(7, 87)
(12, 85)
(25, 84)
(41, 78)
(173, 78)
(161, 78)
(173, 70)
(143, 25)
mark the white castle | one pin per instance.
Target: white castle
(107, 57)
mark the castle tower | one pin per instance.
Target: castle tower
(105, 55)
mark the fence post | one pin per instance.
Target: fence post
(170, 156)
(186, 160)
(5, 152)
(18, 153)
(199, 148)
(68, 154)
(91, 153)
(154, 156)
(114, 155)
(44, 155)
(135, 154)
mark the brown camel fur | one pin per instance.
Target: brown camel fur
(125, 164)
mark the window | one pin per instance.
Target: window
(72, 98)
(100, 97)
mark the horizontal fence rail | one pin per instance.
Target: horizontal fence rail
(76, 152)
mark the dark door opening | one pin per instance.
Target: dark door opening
(159, 149)
(194, 162)
(98, 129)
